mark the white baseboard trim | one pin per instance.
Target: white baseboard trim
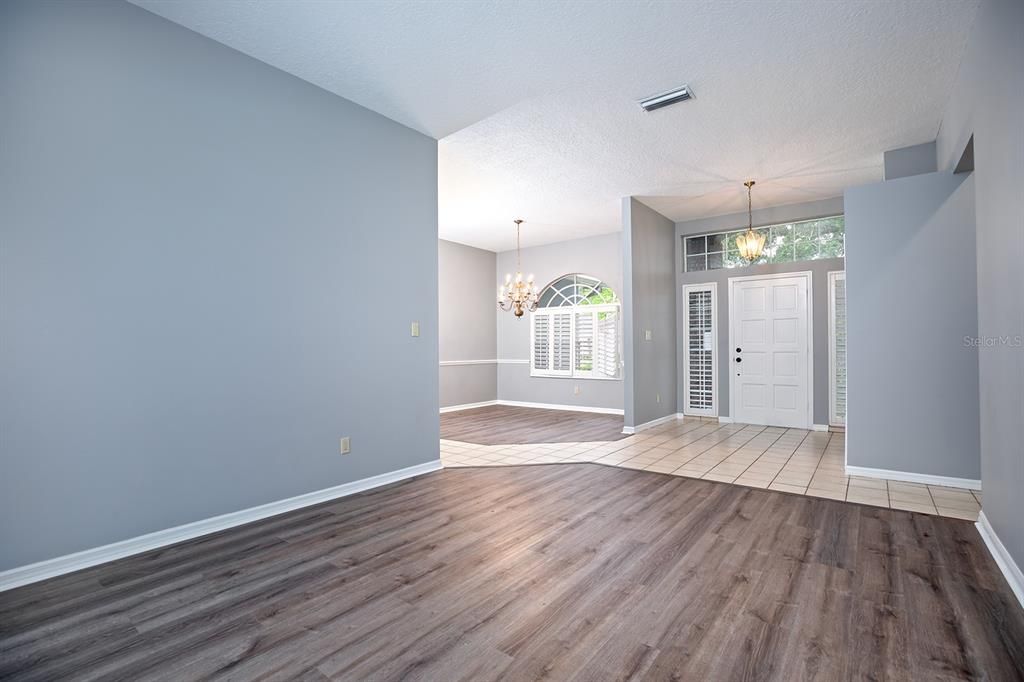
(651, 424)
(567, 408)
(656, 422)
(468, 406)
(1011, 571)
(725, 420)
(909, 477)
(23, 575)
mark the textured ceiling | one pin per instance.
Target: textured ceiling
(534, 102)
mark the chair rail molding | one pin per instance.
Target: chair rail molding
(457, 363)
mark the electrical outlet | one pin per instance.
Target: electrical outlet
(658, 397)
(414, 329)
(346, 445)
(647, 335)
(576, 389)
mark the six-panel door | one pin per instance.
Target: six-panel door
(770, 350)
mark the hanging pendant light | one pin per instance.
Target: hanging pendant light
(750, 243)
(518, 296)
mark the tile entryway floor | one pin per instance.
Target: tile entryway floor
(789, 460)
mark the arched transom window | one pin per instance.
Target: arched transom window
(576, 290)
(575, 331)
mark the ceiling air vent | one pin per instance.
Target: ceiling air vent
(664, 99)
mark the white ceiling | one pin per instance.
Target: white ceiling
(534, 102)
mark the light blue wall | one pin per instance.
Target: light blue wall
(907, 161)
(989, 103)
(600, 257)
(649, 304)
(819, 293)
(911, 304)
(466, 323)
(209, 269)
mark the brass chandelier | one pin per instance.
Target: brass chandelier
(750, 243)
(518, 296)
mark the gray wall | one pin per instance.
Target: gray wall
(649, 304)
(600, 257)
(819, 293)
(467, 288)
(989, 103)
(911, 302)
(907, 161)
(206, 268)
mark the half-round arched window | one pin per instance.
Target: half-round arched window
(575, 331)
(573, 290)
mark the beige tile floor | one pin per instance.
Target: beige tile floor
(790, 460)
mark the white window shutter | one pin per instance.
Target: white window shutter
(837, 348)
(606, 352)
(699, 349)
(576, 330)
(583, 362)
(541, 342)
(561, 343)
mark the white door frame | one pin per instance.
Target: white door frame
(807, 275)
(713, 288)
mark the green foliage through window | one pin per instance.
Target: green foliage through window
(784, 243)
(572, 290)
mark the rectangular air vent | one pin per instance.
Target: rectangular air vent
(666, 98)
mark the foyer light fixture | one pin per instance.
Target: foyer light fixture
(518, 296)
(750, 243)
(664, 99)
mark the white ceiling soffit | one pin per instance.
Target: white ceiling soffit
(536, 101)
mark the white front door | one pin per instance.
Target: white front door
(770, 350)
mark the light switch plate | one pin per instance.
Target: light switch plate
(346, 445)
(647, 335)
(415, 329)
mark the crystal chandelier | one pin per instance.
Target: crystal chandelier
(518, 296)
(750, 243)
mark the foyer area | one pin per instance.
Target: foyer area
(786, 460)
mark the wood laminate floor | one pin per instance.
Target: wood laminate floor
(499, 424)
(562, 572)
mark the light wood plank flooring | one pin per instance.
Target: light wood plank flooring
(570, 572)
(499, 424)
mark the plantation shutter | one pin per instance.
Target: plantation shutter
(837, 329)
(699, 349)
(606, 360)
(541, 350)
(561, 343)
(575, 331)
(584, 343)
